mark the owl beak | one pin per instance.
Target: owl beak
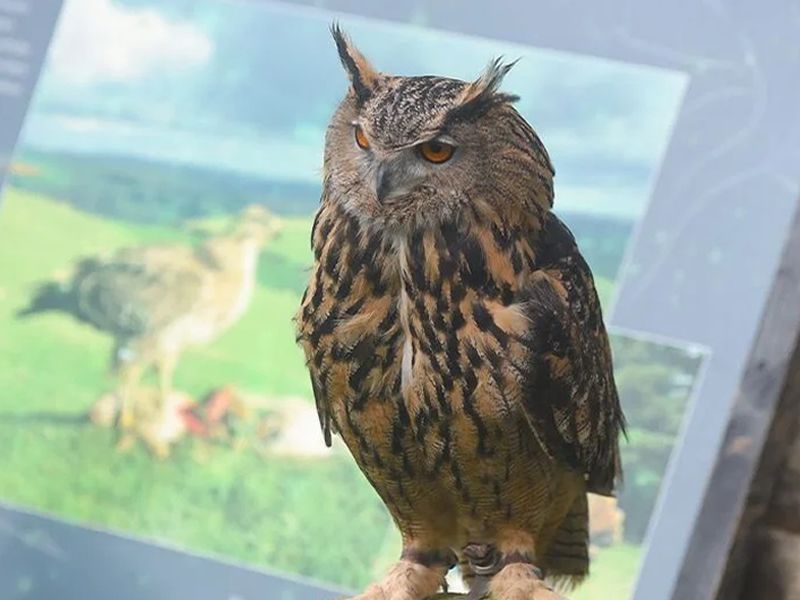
(383, 186)
(393, 179)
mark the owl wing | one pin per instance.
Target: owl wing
(138, 290)
(571, 401)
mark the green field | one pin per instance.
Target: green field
(317, 517)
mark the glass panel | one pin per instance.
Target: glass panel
(155, 123)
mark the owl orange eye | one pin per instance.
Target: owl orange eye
(436, 152)
(361, 138)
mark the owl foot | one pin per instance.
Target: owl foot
(126, 419)
(406, 580)
(519, 581)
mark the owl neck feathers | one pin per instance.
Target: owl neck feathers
(466, 275)
(405, 287)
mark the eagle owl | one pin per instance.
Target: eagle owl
(454, 335)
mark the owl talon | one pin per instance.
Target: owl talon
(407, 580)
(520, 581)
(374, 592)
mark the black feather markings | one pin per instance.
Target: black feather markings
(323, 412)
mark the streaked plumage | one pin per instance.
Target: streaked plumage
(156, 300)
(453, 333)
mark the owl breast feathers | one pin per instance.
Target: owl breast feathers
(452, 328)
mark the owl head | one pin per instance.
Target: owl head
(410, 150)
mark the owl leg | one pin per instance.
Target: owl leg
(129, 376)
(416, 576)
(165, 367)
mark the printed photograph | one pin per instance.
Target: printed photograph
(154, 248)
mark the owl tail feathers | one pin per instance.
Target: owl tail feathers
(50, 296)
(567, 559)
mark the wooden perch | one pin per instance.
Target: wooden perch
(555, 596)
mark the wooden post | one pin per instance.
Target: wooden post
(764, 561)
(773, 566)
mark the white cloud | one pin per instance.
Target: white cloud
(99, 40)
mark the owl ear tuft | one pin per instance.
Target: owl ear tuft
(490, 80)
(482, 94)
(363, 77)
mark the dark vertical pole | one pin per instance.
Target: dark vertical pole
(763, 417)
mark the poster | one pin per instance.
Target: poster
(155, 126)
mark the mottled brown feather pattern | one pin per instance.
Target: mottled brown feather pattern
(453, 332)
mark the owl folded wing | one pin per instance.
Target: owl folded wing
(571, 399)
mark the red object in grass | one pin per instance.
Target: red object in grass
(200, 417)
(218, 403)
(194, 424)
